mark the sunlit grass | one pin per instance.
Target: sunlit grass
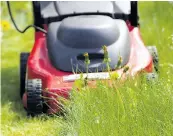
(131, 108)
(136, 108)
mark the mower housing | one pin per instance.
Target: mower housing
(74, 28)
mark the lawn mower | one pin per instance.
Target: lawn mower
(64, 31)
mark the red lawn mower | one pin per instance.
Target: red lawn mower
(64, 31)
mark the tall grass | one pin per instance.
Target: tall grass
(134, 107)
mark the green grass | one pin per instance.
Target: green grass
(135, 108)
(132, 109)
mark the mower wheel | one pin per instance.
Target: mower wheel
(152, 76)
(153, 51)
(34, 97)
(23, 62)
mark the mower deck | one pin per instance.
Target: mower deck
(53, 80)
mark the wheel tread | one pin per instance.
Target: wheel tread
(34, 99)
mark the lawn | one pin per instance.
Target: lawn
(136, 107)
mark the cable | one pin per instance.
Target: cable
(22, 31)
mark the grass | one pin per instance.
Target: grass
(135, 108)
(132, 109)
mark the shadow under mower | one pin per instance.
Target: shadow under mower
(64, 31)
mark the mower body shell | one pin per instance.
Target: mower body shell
(39, 66)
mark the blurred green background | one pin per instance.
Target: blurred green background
(156, 22)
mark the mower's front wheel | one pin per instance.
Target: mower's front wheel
(152, 76)
(154, 53)
(34, 97)
(23, 63)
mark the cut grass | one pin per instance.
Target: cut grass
(144, 109)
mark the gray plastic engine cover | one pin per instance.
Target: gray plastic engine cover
(74, 36)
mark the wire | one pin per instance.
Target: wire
(22, 31)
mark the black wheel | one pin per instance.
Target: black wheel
(153, 51)
(23, 64)
(152, 76)
(34, 97)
